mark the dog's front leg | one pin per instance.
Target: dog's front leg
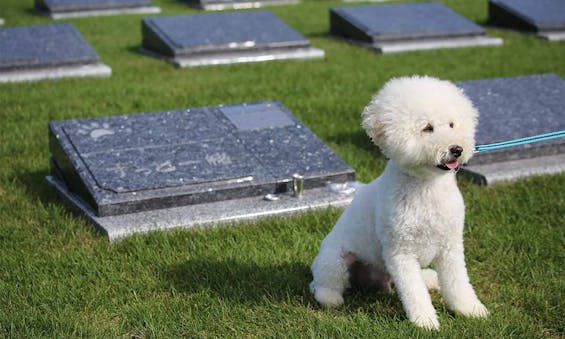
(455, 286)
(406, 274)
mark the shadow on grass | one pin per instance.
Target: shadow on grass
(242, 282)
(36, 187)
(252, 283)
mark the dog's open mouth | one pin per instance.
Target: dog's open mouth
(448, 166)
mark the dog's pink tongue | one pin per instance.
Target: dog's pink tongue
(452, 165)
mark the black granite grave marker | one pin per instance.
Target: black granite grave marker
(145, 162)
(58, 9)
(512, 108)
(215, 5)
(219, 38)
(46, 51)
(546, 18)
(403, 27)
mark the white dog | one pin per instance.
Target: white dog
(411, 216)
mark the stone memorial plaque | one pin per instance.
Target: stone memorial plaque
(59, 9)
(513, 108)
(546, 18)
(402, 27)
(46, 51)
(215, 5)
(221, 38)
(188, 159)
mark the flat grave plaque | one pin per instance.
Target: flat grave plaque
(546, 18)
(60, 9)
(391, 28)
(188, 159)
(223, 38)
(46, 51)
(216, 5)
(512, 108)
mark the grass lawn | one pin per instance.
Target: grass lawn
(61, 278)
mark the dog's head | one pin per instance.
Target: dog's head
(422, 123)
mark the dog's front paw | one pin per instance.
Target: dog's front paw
(474, 310)
(429, 322)
(328, 297)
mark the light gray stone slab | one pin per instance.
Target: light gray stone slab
(103, 12)
(62, 9)
(96, 70)
(240, 57)
(428, 44)
(493, 173)
(207, 214)
(219, 5)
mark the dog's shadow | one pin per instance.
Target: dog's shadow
(251, 283)
(241, 282)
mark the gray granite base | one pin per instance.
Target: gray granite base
(102, 12)
(34, 74)
(492, 173)
(552, 36)
(240, 56)
(241, 5)
(428, 44)
(207, 214)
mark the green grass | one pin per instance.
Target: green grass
(61, 278)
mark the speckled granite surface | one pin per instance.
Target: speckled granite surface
(131, 163)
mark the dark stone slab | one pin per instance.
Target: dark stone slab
(388, 22)
(216, 32)
(43, 46)
(223, 4)
(133, 163)
(82, 5)
(528, 15)
(513, 108)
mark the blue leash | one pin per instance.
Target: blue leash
(521, 141)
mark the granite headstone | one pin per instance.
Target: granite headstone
(59, 9)
(46, 51)
(546, 18)
(513, 108)
(220, 38)
(391, 28)
(137, 164)
(215, 5)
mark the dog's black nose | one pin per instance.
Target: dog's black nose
(456, 150)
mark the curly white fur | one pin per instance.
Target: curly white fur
(412, 216)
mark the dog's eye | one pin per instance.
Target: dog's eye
(428, 129)
(451, 124)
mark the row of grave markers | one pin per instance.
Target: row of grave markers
(219, 164)
(224, 163)
(250, 36)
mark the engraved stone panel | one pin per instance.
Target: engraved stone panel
(518, 107)
(215, 38)
(133, 163)
(400, 27)
(544, 17)
(46, 51)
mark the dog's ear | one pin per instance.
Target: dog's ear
(372, 123)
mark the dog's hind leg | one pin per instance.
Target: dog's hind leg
(430, 279)
(331, 278)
